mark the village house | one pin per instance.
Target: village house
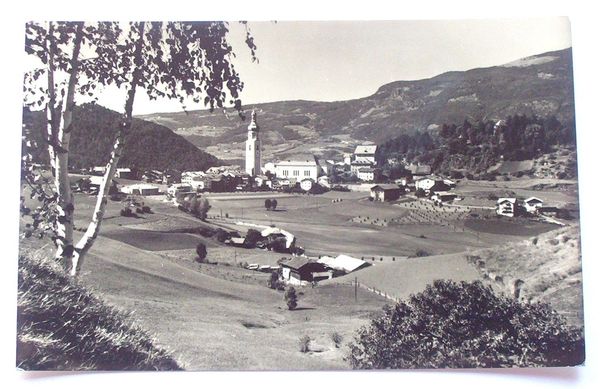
(366, 153)
(418, 171)
(177, 188)
(301, 270)
(533, 204)
(98, 170)
(506, 206)
(141, 189)
(443, 196)
(368, 174)
(386, 192)
(431, 184)
(194, 179)
(125, 173)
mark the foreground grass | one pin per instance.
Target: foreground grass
(62, 326)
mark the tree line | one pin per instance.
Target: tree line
(478, 145)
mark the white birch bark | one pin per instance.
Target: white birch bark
(51, 107)
(91, 233)
(65, 206)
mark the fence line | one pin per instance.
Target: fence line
(377, 291)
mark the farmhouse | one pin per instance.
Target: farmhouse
(366, 153)
(359, 164)
(141, 189)
(385, 192)
(125, 173)
(443, 196)
(506, 206)
(533, 204)
(299, 269)
(369, 174)
(431, 184)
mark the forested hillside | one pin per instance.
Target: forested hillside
(476, 147)
(147, 146)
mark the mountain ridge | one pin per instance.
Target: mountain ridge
(540, 85)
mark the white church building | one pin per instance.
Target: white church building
(296, 168)
(253, 148)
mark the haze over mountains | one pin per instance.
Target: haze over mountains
(538, 85)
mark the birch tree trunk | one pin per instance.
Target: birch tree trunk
(65, 206)
(91, 233)
(51, 124)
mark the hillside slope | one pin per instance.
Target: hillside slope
(147, 146)
(547, 268)
(540, 85)
(62, 326)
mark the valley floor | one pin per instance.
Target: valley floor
(221, 316)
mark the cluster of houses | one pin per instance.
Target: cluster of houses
(512, 206)
(420, 182)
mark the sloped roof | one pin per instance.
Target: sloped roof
(419, 169)
(385, 186)
(365, 149)
(343, 262)
(511, 200)
(289, 238)
(296, 263)
(534, 199)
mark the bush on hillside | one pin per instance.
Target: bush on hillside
(62, 326)
(201, 252)
(465, 325)
(290, 297)
(304, 343)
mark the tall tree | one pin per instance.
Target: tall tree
(175, 60)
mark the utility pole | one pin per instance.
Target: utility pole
(355, 289)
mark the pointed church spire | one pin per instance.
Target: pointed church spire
(253, 125)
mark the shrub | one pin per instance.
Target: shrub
(127, 212)
(221, 235)
(304, 343)
(201, 252)
(290, 297)
(273, 204)
(268, 204)
(337, 339)
(146, 209)
(421, 253)
(465, 325)
(274, 282)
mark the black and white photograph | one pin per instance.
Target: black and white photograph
(309, 195)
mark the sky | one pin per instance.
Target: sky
(341, 60)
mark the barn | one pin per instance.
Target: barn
(385, 192)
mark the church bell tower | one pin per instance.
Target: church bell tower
(253, 148)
